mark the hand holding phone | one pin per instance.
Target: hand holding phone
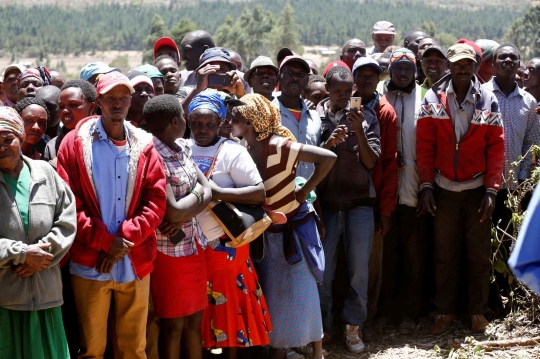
(356, 103)
(219, 80)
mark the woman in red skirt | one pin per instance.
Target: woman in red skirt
(237, 315)
(178, 282)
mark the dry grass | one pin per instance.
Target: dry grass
(392, 345)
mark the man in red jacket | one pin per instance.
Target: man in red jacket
(460, 157)
(118, 180)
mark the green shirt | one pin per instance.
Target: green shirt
(20, 187)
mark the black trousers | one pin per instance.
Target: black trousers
(404, 249)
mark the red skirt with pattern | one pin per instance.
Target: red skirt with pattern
(237, 314)
(177, 284)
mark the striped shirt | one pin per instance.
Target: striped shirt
(521, 130)
(279, 174)
(181, 173)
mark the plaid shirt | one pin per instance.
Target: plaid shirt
(521, 130)
(181, 174)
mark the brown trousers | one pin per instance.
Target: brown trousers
(457, 224)
(93, 301)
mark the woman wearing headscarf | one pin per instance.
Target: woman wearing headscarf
(237, 314)
(289, 283)
(35, 116)
(38, 228)
(31, 80)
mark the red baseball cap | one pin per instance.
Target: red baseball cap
(165, 41)
(472, 44)
(107, 82)
(333, 64)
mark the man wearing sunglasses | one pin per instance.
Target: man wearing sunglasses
(460, 156)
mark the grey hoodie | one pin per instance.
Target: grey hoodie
(52, 219)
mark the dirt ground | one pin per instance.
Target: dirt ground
(392, 345)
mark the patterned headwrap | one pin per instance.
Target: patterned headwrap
(40, 73)
(10, 121)
(264, 116)
(209, 100)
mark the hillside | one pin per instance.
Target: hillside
(115, 25)
(515, 5)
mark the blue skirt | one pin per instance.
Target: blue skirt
(291, 295)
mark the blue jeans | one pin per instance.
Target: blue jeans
(357, 227)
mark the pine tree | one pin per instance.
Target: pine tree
(285, 34)
(181, 28)
(525, 33)
(157, 30)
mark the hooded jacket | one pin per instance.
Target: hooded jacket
(479, 152)
(145, 197)
(349, 183)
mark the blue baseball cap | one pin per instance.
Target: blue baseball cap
(366, 61)
(95, 68)
(219, 54)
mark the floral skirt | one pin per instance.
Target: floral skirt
(237, 314)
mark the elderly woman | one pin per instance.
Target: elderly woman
(38, 227)
(35, 116)
(287, 280)
(237, 314)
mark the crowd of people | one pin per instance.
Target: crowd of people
(381, 177)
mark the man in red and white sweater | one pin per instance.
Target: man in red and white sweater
(460, 157)
(118, 181)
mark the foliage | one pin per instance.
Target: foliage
(513, 294)
(443, 38)
(249, 35)
(157, 30)
(126, 27)
(121, 62)
(285, 33)
(181, 28)
(525, 33)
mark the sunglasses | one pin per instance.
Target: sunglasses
(400, 55)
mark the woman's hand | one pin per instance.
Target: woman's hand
(301, 194)
(36, 256)
(169, 229)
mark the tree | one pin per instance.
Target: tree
(157, 30)
(525, 33)
(181, 28)
(122, 62)
(285, 34)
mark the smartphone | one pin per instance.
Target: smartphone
(217, 80)
(177, 238)
(356, 103)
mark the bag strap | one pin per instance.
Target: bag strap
(213, 164)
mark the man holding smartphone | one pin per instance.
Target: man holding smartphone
(347, 195)
(366, 72)
(216, 71)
